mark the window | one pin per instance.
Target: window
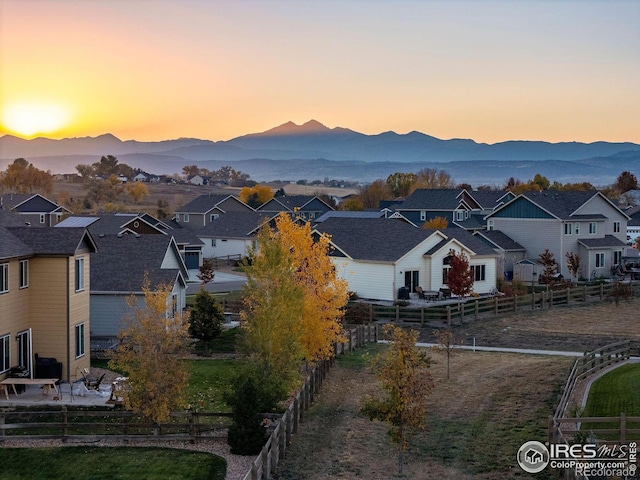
(185, 217)
(576, 228)
(423, 216)
(459, 215)
(412, 279)
(617, 257)
(79, 340)
(490, 224)
(312, 215)
(42, 218)
(445, 275)
(215, 216)
(79, 274)
(616, 227)
(599, 260)
(5, 353)
(24, 273)
(568, 227)
(478, 272)
(4, 277)
(213, 242)
(592, 228)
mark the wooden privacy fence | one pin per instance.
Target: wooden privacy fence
(583, 367)
(275, 448)
(66, 424)
(469, 309)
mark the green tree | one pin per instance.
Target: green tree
(205, 318)
(399, 184)
(246, 435)
(150, 353)
(403, 371)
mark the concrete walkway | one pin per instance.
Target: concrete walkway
(222, 282)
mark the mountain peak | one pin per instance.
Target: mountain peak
(290, 128)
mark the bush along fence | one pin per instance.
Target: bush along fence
(469, 309)
(610, 430)
(274, 450)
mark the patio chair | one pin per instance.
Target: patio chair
(90, 381)
(420, 292)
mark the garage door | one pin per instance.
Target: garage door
(192, 260)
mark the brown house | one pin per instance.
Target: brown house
(44, 297)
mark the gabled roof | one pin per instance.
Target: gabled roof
(122, 262)
(446, 199)
(387, 240)
(206, 203)
(489, 199)
(235, 225)
(498, 239)
(52, 241)
(474, 222)
(11, 246)
(561, 205)
(287, 203)
(29, 203)
(462, 237)
(605, 242)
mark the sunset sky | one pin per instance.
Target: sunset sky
(486, 70)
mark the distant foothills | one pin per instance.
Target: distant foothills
(313, 151)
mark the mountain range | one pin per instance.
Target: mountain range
(313, 151)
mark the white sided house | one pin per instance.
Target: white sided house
(378, 257)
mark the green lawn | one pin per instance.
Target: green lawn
(114, 463)
(612, 394)
(208, 380)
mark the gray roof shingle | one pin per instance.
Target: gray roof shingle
(606, 242)
(500, 240)
(234, 225)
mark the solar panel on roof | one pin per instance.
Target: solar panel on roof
(77, 222)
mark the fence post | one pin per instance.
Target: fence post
(296, 413)
(601, 291)
(397, 313)
(495, 304)
(515, 304)
(568, 296)
(266, 464)
(550, 298)
(449, 315)
(477, 309)
(2, 422)
(65, 423)
(584, 294)
(422, 316)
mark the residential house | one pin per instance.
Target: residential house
(44, 297)
(509, 251)
(377, 257)
(35, 209)
(231, 235)
(633, 225)
(458, 206)
(584, 223)
(349, 214)
(119, 269)
(189, 245)
(198, 180)
(207, 208)
(304, 207)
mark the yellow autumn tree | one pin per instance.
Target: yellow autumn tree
(325, 295)
(436, 223)
(256, 196)
(150, 354)
(137, 190)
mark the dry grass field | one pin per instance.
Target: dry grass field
(577, 328)
(492, 404)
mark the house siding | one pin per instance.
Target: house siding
(535, 235)
(225, 247)
(521, 208)
(14, 306)
(107, 314)
(368, 280)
